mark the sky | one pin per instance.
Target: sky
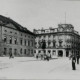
(35, 14)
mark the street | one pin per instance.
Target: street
(31, 68)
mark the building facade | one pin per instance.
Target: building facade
(61, 41)
(15, 38)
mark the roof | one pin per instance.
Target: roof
(5, 20)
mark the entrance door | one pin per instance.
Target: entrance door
(60, 53)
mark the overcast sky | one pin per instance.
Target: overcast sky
(35, 14)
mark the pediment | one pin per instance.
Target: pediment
(11, 26)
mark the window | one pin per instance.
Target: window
(10, 31)
(10, 40)
(10, 50)
(24, 51)
(15, 51)
(15, 33)
(25, 42)
(34, 51)
(28, 43)
(60, 44)
(44, 36)
(21, 34)
(54, 44)
(28, 36)
(39, 51)
(21, 41)
(15, 41)
(5, 30)
(28, 51)
(5, 51)
(5, 39)
(21, 51)
(49, 51)
(32, 43)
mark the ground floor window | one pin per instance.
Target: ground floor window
(34, 51)
(21, 51)
(28, 51)
(39, 51)
(54, 52)
(5, 51)
(15, 51)
(49, 51)
(24, 51)
(60, 53)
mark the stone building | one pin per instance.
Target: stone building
(61, 41)
(15, 38)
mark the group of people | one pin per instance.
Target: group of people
(44, 56)
(74, 60)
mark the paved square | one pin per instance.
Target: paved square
(31, 68)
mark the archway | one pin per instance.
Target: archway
(60, 53)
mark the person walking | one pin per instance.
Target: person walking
(77, 58)
(73, 63)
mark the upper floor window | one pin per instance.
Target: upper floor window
(21, 41)
(5, 30)
(60, 43)
(25, 42)
(21, 50)
(5, 39)
(10, 31)
(28, 36)
(15, 33)
(15, 41)
(21, 34)
(24, 51)
(5, 51)
(10, 40)
(54, 44)
(28, 43)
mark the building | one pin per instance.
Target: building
(15, 38)
(61, 41)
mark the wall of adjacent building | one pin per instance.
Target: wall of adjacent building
(27, 42)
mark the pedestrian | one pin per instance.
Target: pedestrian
(36, 56)
(73, 62)
(77, 58)
(47, 58)
(41, 57)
